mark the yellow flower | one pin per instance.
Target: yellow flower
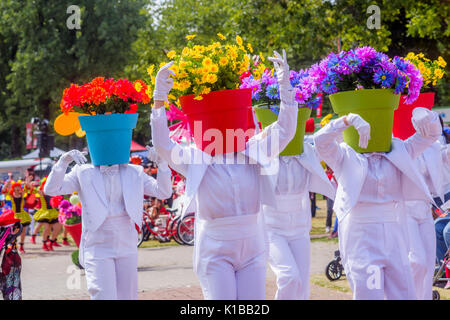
(190, 37)
(261, 56)
(239, 40)
(223, 61)
(221, 36)
(150, 70)
(205, 90)
(211, 78)
(138, 86)
(185, 52)
(162, 64)
(438, 73)
(249, 47)
(171, 54)
(441, 62)
(207, 62)
(214, 68)
(198, 98)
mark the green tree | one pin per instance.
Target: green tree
(47, 56)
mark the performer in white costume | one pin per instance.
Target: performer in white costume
(289, 221)
(229, 253)
(369, 203)
(421, 230)
(112, 198)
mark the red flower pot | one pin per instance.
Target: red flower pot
(219, 111)
(403, 127)
(75, 232)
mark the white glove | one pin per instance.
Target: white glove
(426, 122)
(363, 128)
(287, 93)
(163, 83)
(73, 155)
(153, 156)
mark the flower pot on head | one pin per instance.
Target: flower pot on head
(109, 137)
(376, 106)
(295, 147)
(403, 127)
(75, 231)
(220, 121)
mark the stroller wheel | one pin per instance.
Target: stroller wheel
(436, 295)
(333, 271)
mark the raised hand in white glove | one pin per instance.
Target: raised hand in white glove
(426, 122)
(73, 155)
(163, 82)
(153, 156)
(287, 93)
(362, 126)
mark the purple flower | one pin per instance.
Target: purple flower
(350, 64)
(365, 54)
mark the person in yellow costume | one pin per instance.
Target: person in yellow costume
(16, 195)
(47, 217)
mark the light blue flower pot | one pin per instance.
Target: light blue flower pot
(109, 137)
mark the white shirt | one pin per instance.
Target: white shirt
(229, 189)
(113, 190)
(293, 178)
(382, 181)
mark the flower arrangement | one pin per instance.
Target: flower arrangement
(365, 68)
(265, 89)
(200, 69)
(101, 96)
(69, 214)
(432, 71)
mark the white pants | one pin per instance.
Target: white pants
(288, 228)
(422, 247)
(374, 250)
(230, 259)
(110, 260)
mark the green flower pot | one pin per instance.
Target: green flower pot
(376, 106)
(295, 147)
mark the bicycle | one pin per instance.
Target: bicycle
(163, 232)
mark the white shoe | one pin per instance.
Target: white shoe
(327, 229)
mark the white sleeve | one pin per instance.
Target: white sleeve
(60, 183)
(178, 157)
(161, 187)
(326, 143)
(283, 129)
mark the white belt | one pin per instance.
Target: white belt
(232, 228)
(376, 212)
(286, 203)
(115, 221)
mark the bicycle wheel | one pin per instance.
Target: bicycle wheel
(333, 271)
(174, 230)
(185, 229)
(141, 235)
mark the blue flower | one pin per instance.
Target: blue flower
(275, 109)
(273, 92)
(313, 103)
(385, 78)
(328, 84)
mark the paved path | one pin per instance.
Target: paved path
(164, 273)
